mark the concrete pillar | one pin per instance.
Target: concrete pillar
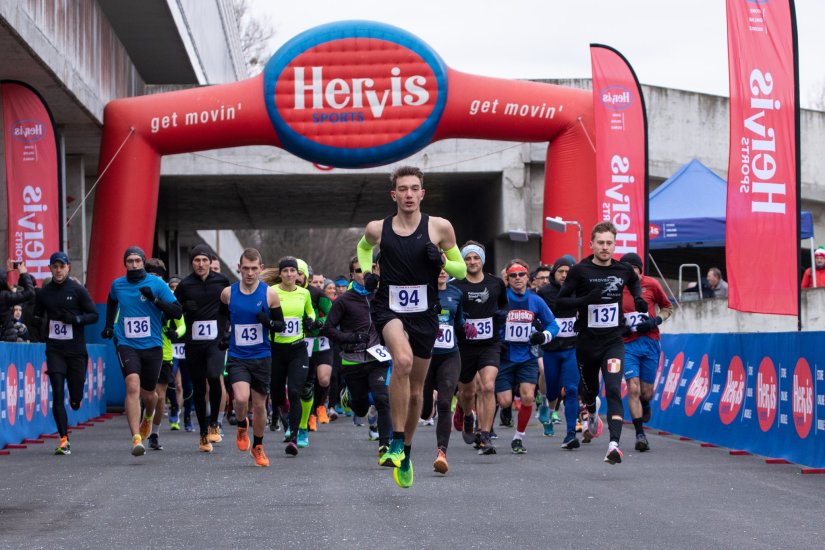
(77, 234)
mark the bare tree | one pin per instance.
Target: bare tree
(255, 37)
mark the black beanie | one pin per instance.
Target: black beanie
(200, 250)
(633, 259)
(131, 251)
(565, 260)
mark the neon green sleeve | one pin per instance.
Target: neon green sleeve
(455, 265)
(180, 327)
(364, 252)
(308, 309)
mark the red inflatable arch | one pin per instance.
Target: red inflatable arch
(348, 94)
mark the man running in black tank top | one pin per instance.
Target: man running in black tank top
(405, 309)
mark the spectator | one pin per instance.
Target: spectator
(19, 326)
(9, 298)
(717, 283)
(819, 266)
(329, 289)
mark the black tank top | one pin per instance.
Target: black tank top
(404, 263)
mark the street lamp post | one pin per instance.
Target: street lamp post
(560, 225)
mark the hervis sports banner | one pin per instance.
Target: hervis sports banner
(32, 185)
(763, 165)
(621, 149)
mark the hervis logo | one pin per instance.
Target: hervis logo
(355, 93)
(28, 131)
(616, 98)
(699, 387)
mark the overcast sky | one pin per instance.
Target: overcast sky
(673, 43)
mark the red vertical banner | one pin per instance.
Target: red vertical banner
(621, 149)
(32, 185)
(763, 162)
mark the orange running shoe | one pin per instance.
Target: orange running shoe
(260, 456)
(214, 434)
(145, 427)
(323, 417)
(204, 444)
(242, 439)
(440, 464)
(313, 425)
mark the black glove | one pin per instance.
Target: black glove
(190, 305)
(540, 338)
(371, 282)
(277, 325)
(500, 316)
(648, 324)
(312, 324)
(223, 343)
(641, 305)
(107, 333)
(356, 338)
(594, 296)
(434, 255)
(171, 333)
(147, 293)
(64, 317)
(263, 318)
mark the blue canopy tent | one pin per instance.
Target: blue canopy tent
(688, 210)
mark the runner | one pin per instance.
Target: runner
(485, 307)
(253, 311)
(529, 323)
(175, 393)
(200, 294)
(406, 305)
(139, 303)
(594, 286)
(642, 347)
(364, 361)
(445, 366)
(67, 307)
(560, 366)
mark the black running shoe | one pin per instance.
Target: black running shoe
(486, 447)
(467, 434)
(641, 443)
(571, 442)
(154, 444)
(518, 447)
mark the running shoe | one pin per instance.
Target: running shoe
(394, 456)
(154, 443)
(614, 454)
(242, 438)
(173, 420)
(486, 447)
(493, 434)
(214, 434)
(303, 438)
(570, 442)
(518, 447)
(467, 433)
(373, 433)
(291, 448)
(358, 421)
(641, 443)
(593, 429)
(506, 418)
(204, 444)
(145, 427)
(333, 414)
(427, 422)
(287, 434)
(64, 447)
(458, 416)
(339, 409)
(440, 465)
(259, 455)
(372, 416)
(477, 440)
(549, 430)
(383, 449)
(544, 414)
(321, 413)
(312, 425)
(174, 425)
(232, 418)
(187, 425)
(579, 425)
(403, 475)
(137, 446)
(554, 418)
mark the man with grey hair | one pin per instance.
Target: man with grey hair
(717, 283)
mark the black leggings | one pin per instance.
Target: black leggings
(206, 363)
(290, 366)
(443, 378)
(366, 378)
(607, 357)
(58, 382)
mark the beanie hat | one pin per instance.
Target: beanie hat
(201, 250)
(633, 259)
(132, 251)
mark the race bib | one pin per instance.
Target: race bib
(446, 339)
(179, 351)
(204, 330)
(634, 319)
(515, 331)
(379, 352)
(249, 335)
(484, 327)
(566, 327)
(603, 315)
(60, 331)
(293, 327)
(408, 299)
(310, 343)
(136, 327)
(323, 343)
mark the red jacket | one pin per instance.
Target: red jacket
(807, 280)
(654, 296)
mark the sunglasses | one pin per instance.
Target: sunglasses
(358, 270)
(519, 274)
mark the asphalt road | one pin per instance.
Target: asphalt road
(678, 495)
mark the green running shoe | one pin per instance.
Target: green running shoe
(393, 457)
(403, 476)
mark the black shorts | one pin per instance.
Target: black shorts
(145, 363)
(476, 357)
(205, 360)
(166, 376)
(71, 365)
(421, 328)
(255, 372)
(320, 358)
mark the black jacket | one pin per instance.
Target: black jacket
(8, 299)
(349, 315)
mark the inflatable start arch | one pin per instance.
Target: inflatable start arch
(350, 94)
